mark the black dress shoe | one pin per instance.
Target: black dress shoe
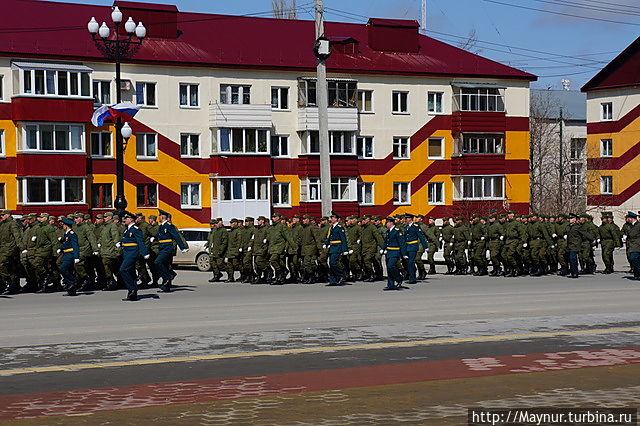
(412, 282)
(389, 288)
(132, 296)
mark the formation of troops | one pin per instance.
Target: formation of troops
(75, 253)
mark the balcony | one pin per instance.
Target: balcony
(250, 116)
(345, 119)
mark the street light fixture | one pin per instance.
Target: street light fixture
(117, 48)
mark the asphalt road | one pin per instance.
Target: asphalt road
(258, 354)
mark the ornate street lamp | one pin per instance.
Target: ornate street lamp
(117, 48)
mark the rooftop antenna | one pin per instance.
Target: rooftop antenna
(566, 84)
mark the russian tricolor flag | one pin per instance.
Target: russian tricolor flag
(106, 112)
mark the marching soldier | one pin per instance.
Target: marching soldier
(323, 257)
(247, 257)
(217, 245)
(370, 240)
(293, 249)
(149, 235)
(354, 238)
(11, 246)
(561, 244)
(539, 240)
(336, 242)
(46, 246)
(88, 247)
(109, 252)
(27, 256)
(574, 235)
(447, 239)
(234, 250)
(610, 238)
(260, 251)
(309, 249)
(461, 238)
(589, 232)
(168, 238)
(495, 238)
(70, 252)
(393, 248)
(478, 246)
(413, 237)
(632, 234)
(133, 246)
(278, 238)
(432, 234)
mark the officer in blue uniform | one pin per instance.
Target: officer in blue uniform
(70, 251)
(337, 243)
(412, 235)
(167, 237)
(133, 246)
(393, 248)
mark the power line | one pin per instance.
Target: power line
(589, 7)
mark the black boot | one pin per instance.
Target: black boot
(13, 287)
(42, 286)
(165, 287)
(432, 270)
(132, 296)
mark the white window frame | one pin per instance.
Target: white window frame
(190, 153)
(399, 94)
(438, 105)
(3, 147)
(306, 192)
(431, 192)
(1, 87)
(32, 71)
(279, 98)
(98, 95)
(606, 185)
(606, 151)
(401, 201)
(190, 187)
(282, 140)
(157, 196)
(226, 91)
(362, 93)
(25, 136)
(277, 190)
(481, 95)
(342, 184)
(332, 135)
(188, 87)
(400, 141)
(606, 111)
(438, 157)
(313, 182)
(101, 154)
(146, 156)
(577, 148)
(111, 190)
(244, 141)
(481, 141)
(361, 142)
(458, 184)
(243, 189)
(22, 181)
(362, 191)
(145, 85)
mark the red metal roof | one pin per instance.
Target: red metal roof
(229, 41)
(622, 71)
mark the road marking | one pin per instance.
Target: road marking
(315, 349)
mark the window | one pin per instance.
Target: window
(3, 203)
(101, 196)
(575, 176)
(436, 193)
(481, 99)
(401, 193)
(606, 147)
(54, 190)
(479, 187)
(339, 142)
(55, 82)
(102, 92)
(2, 147)
(146, 144)
(606, 111)
(400, 102)
(280, 146)
(365, 101)
(364, 146)
(235, 94)
(243, 141)
(342, 93)
(340, 189)
(243, 189)
(190, 195)
(189, 95)
(577, 148)
(146, 94)
(606, 185)
(1, 87)
(310, 189)
(101, 144)
(189, 145)
(53, 137)
(147, 194)
(280, 98)
(435, 149)
(365, 193)
(434, 102)
(482, 144)
(281, 195)
(307, 93)
(400, 148)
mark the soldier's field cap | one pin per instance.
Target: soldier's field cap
(6, 211)
(306, 216)
(100, 216)
(116, 217)
(275, 214)
(458, 218)
(67, 221)
(213, 221)
(86, 216)
(492, 216)
(44, 215)
(80, 215)
(108, 214)
(262, 218)
(153, 217)
(296, 216)
(60, 218)
(249, 219)
(52, 218)
(138, 214)
(446, 219)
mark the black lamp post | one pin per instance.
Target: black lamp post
(118, 48)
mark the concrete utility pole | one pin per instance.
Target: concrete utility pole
(561, 165)
(322, 98)
(423, 17)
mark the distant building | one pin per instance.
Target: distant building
(229, 122)
(613, 141)
(556, 161)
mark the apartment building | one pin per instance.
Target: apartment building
(613, 122)
(229, 123)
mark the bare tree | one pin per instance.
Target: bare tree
(282, 10)
(471, 42)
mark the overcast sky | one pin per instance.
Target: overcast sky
(551, 45)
